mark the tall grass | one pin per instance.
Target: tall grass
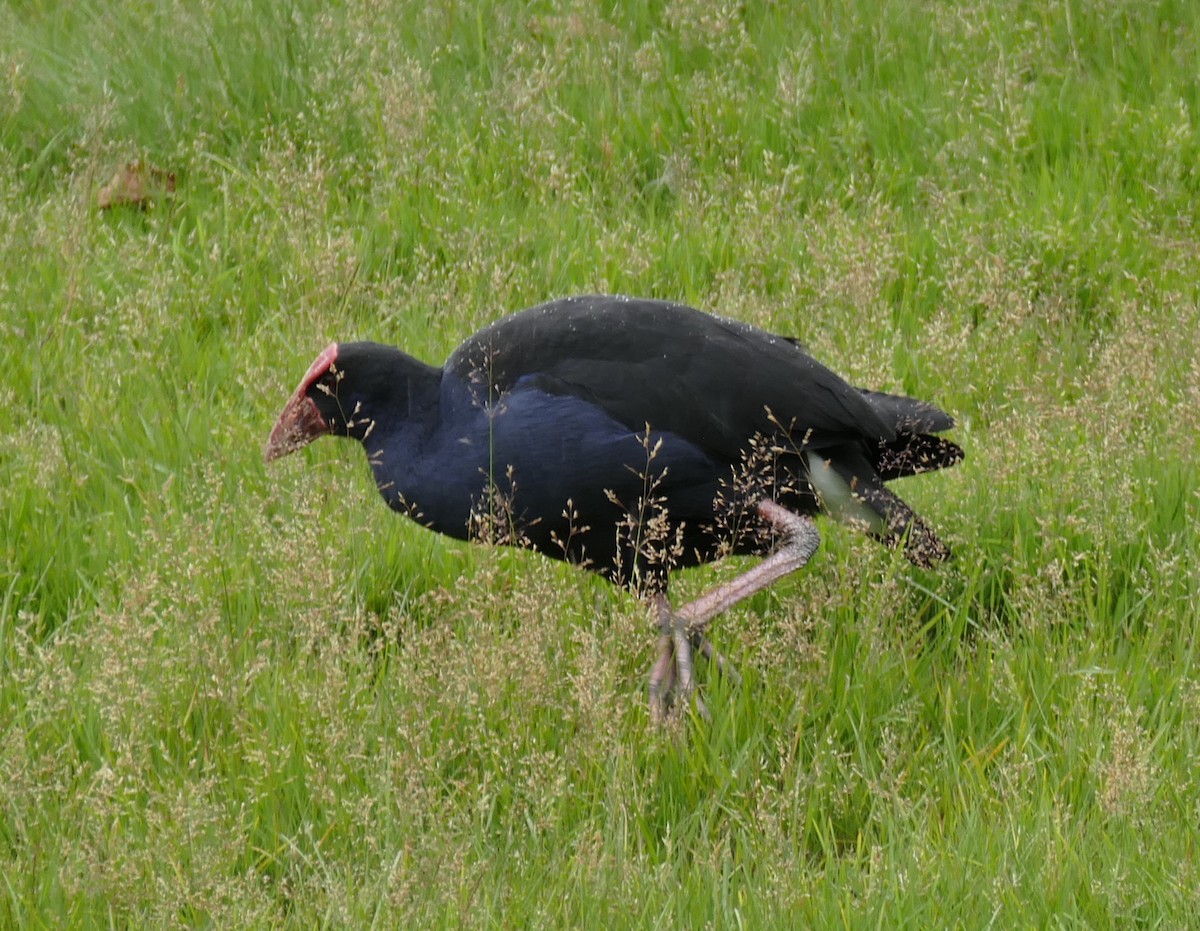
(240, 697)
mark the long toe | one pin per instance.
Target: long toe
(704, 647)
(662, 679)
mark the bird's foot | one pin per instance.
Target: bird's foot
(681, 632)
(672, 677)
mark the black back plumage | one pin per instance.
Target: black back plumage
(714, 381)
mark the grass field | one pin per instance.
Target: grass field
(240, 696)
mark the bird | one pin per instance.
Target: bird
(632, 438)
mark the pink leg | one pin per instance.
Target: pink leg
(800, 542)
(684, 627)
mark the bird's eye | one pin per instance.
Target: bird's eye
(327, 382)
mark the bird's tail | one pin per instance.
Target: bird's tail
(914, 449)
(908, 415)
(914, 453)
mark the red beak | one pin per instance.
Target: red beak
(298, 425)
(300, 422)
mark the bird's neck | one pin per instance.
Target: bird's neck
(399, 428)
(432, 460)
(399, 412)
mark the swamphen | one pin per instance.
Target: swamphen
(630, 437)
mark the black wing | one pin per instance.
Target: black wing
(714, 381)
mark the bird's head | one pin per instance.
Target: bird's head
(330, 397)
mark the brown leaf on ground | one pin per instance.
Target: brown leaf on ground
(137, 184)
